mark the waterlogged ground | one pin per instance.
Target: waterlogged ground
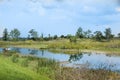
(91, 60)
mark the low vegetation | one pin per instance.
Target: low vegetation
(64, 45)
(19, 67)
(10, 70)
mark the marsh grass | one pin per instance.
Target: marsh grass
(14, 58)
(86, 74)
(13, 71)
(65, 45)
(49, 68)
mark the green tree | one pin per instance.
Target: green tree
(80, 33)
(28, 37)
(108, 34)
(33, 34)
(5, 35)
(98, 35)
(62, 36)
(50, 37)
(87, 34)
(55, 37)
(68, 36)
(15, 34)
(118, 35)
(42, 36)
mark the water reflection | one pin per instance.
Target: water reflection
(81, 58)
(75, 57)
(42, 52)
(16, 50)
(33, 52)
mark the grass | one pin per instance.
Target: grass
(13, 71)
(43, 69)
(86, 74)
(19, 67)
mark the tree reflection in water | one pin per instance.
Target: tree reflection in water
(16, 50)
(75, 57)
(33, 52)
(42, 52)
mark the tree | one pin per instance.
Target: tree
(49, 37)
(87, 34)
(62, 36)
(79, 33)
(55, 37)
(108, 34)
(98, 35)
(118, 35)
(28, 37)
(68, 36)
(15, 34)
(42, 36)
(33, 34)
(71, 38)
(5, 35)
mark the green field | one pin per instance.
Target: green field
(13, 71)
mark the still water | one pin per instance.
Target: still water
(75, 60)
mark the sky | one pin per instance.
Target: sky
(59, 16)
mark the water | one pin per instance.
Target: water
(76, 60)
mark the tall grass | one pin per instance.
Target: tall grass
(13, 71)
(86, 74)
(19, 67)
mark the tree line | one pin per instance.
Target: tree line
(14, 35)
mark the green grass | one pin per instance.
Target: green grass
(19, 67)
(13, 71)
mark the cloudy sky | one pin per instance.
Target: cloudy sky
(59, 16)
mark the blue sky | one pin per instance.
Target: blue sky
(59, 16)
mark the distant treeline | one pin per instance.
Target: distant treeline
(14, 35)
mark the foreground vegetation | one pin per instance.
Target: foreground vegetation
(13, 71)
(19, 67)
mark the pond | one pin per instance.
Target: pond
(93, 60)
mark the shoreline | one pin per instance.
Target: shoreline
(74, 51)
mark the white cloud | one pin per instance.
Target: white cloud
(90, 9)
(87, 7)
(59, 14)
(37, 8)
(117, 9)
